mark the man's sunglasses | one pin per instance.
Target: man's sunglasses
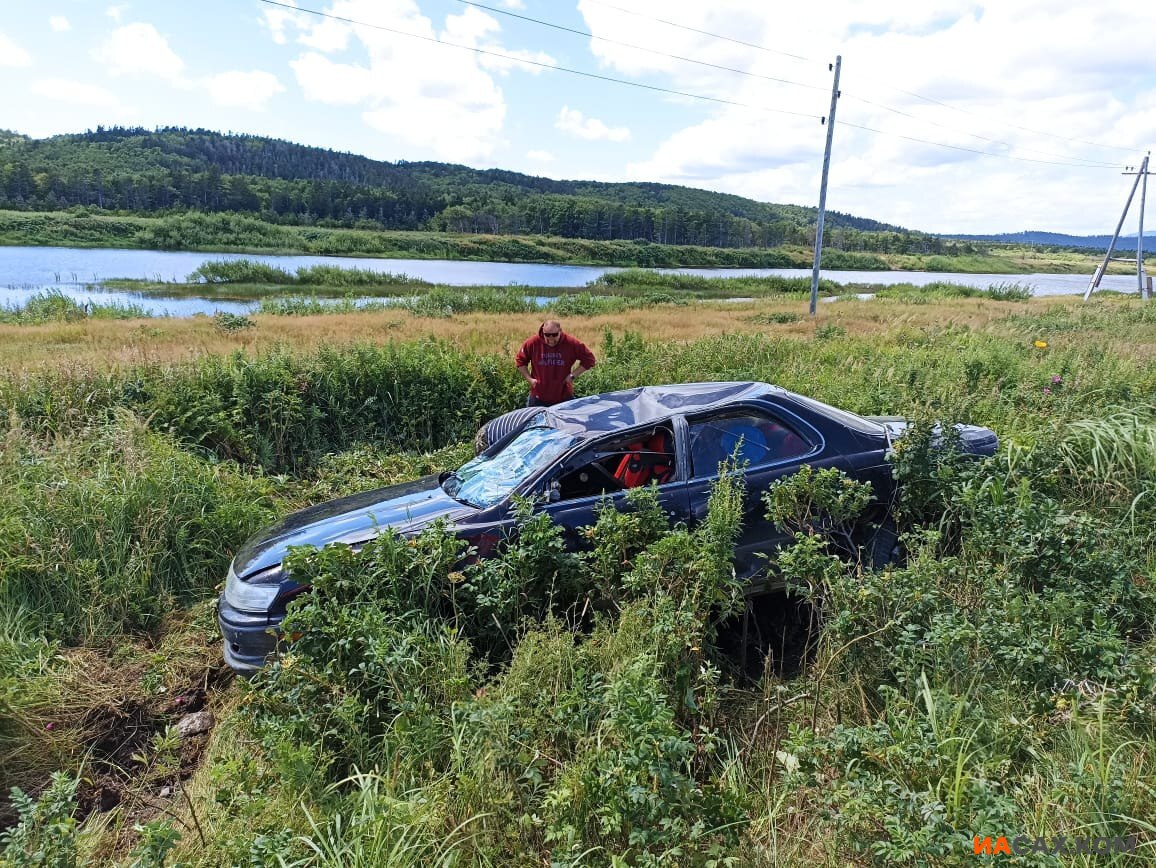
(551, 334)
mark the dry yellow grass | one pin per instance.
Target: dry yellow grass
(104, 344)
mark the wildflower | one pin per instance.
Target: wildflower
(1040, 345)
(1047, 391)
(1057, 379)
(50, 726)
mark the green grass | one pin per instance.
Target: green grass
(55, 306)
(540, 707)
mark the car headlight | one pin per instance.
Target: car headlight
(256, 593)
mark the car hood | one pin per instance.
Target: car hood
(406, 508)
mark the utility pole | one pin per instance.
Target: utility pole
(1143, 173)
(1143, 287)
(830, 121)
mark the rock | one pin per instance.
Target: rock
(166, 792)
(195, 724)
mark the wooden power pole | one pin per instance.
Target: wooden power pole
(1142, 174)
(823, 190)
(1142, 284)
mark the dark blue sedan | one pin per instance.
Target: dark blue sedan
(569, 457)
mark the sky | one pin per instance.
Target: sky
(953, 117)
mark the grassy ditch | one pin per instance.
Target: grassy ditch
(546, 706)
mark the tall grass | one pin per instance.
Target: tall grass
(252, 271)
(55, 306)
(1114, 457)
(542, 706)
(107, 533)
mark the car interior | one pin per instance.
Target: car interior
(618, 465)
(753, 438)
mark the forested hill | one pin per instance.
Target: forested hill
(151, 171)
(1056, 239)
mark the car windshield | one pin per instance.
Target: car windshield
(487, 480)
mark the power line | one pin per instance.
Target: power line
(589, 35)
(525, 61)
(1090, 163)
(919, 96)
(708, 33)
(1013, 126)
(654, 88)
(976, 150)
(586, 34)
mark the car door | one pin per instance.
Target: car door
(770, 444)
(576, 505)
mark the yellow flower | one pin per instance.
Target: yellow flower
(1040, 345)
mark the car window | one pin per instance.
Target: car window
(625, 463)
(758, 439)
(490, 479)
(843, 417)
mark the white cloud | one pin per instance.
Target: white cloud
(12, 54)
(327, 35)
(911, 75)
(478, 30)
(116, 12)
(138, 49)
(323, 80)
(59, 23)
(576, 124)
(421, 97)
(512, 4)
(541, 156)
(75, 93)
(249, 90)
(277, 21)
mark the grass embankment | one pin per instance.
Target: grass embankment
(236, 233)
(542, 707)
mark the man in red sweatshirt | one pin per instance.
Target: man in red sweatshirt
(546, 362)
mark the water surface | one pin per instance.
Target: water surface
(79, 273)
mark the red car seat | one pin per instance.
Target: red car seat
(646, 460)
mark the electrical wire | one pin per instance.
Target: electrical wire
(664, 90)
(910, 93)
(525, 61)
(707, 33)
(587, 34)
(975, 150)
(1099, 163)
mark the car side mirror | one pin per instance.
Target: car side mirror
(554, 491)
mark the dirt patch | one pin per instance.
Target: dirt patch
(115, 718)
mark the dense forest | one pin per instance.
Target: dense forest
(1058, 239)
(173, 170)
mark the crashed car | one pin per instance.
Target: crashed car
(570, 457)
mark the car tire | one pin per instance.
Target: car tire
(883, 547)
(502, 427)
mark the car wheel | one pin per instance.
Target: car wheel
(503, 426)
(883, 546)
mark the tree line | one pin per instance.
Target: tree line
(172, 170)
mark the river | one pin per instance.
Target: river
(79, 273)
